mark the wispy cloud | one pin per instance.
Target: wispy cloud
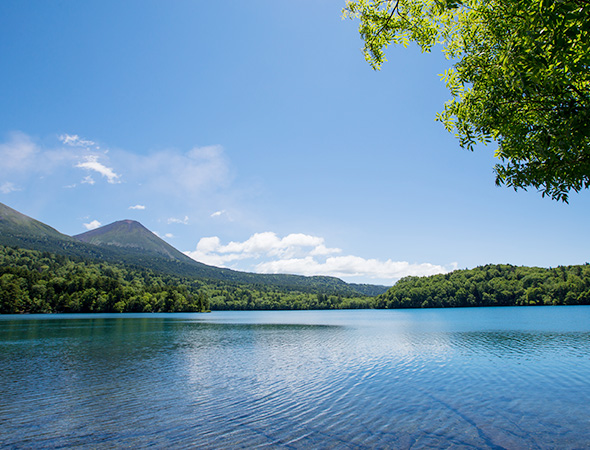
(169, 176)
(223, 215)
(73, 140)
(92, 225)
(350, 266)
(8, 187)
(304, 254)
(91, 163)
(176, 220)
(22, 157)
(139, 207)
(267, 243)
(179, 174)
(19, 153)
(166, 235)
(88, 180)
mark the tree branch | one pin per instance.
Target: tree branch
(385, 24)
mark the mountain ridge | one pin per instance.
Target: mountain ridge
(132, 234)
(130, 243)
(15, 221)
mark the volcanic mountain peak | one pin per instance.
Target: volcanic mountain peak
(129, 233)
(129, 242)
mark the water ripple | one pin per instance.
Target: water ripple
(331, 380)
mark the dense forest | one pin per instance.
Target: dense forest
(128, 243)
(43, 282)
(492, 285)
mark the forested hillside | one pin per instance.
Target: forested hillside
(42, 282)
(492, 285)
(130, 243)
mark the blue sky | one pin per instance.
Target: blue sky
(253, 135)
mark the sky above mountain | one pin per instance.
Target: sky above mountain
(253, 135)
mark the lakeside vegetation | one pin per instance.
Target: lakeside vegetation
(129, 243)
(492, 285)
(42, 282)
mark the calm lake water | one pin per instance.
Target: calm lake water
(460, 378)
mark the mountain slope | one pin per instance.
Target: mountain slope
(130, 243)
(19, 230)
(132, 235)
(144, 248)
(18, 225)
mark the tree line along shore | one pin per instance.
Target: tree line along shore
(41, 282)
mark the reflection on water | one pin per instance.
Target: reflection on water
(484, 378)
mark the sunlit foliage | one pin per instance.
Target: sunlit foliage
(520, 77)
(492, 285)
(43, 282)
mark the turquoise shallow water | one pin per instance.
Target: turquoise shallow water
(458, 378)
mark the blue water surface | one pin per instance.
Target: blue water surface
(460, 378)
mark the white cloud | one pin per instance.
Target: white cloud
(322, 250)
(171, 176)
(176, 220)
(91, 163)
(88, 180)
(223, 215)
(304, 254)
(169, 172)
(140, 207)
(350, 266)
(208, 244)
(92, 225)
(267, 243)
(21, 154)
(18, 153)
(166, 235)
(74, 140)
(179, 174)
(8, 187)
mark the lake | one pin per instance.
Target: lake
(463, 378)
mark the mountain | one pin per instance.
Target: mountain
(131, 235)
(142, 247)
(19, 230)
(130, 243)
(20, 226)
(121, 242)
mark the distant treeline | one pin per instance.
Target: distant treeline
(492, 285)
(189, 269)
(43, 282)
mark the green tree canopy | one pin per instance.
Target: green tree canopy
(520, 77)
